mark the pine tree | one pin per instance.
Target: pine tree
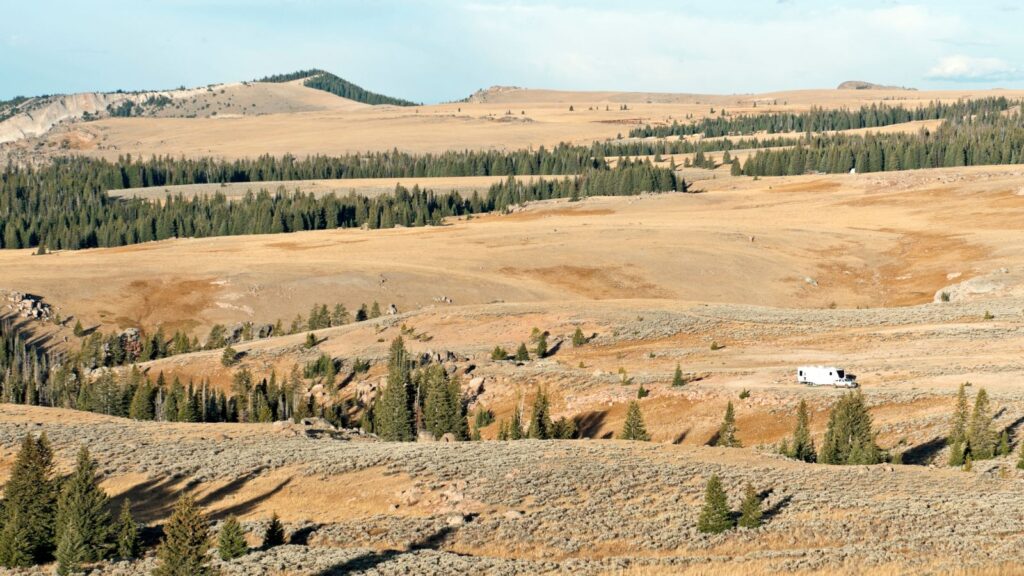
(715, 516)
(274, 535)
(229, 357)
(849, 438)
(958, 429)
(78, 330)
(83, 523)
(677, 378)
(311, 340)
(515, 426)
(443, 409)
(803, 444)
(141, 407)
(231, 540)
(727, 431)
(540, 417)
(522, 354)
(578, 339)
(750, 509)
(542, 345)
(1004, 444)
(393, 416)
(29, 508)
(186, 540)
(633, 428)
(981, 439)
(127, 533)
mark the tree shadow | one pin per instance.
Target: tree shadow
(301, 536)
(554, 349)
(243, 508)
(151, 499)
(590, 423)
(923, 454)
(682, 436)
(713, 441)
(1012, 427)
(774, 510)
(374, 559)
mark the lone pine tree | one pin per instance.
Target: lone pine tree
(231, 540)
(274, 534)
(727, 431)
(750, 509)
(633, 428)
(677, 377)
(183, 549)
(715, 516)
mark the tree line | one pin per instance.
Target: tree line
(985, 139)
(321, 80)
(820, 119)
(65, 205)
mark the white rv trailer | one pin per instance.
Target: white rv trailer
(825, 376)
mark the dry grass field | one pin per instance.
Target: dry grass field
(912, 280)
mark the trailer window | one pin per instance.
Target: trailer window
(840, 373)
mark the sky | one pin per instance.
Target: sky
(443, 50)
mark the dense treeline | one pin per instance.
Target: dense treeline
(662, 146)
(990, 137)
(328, 82)
(818, 119)
(64, 205)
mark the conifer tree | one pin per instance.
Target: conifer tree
(542, 345)
(633, 428)
(274, 535)
(78, 331)
(141, 407)
(83, 523)
(803, 444)
(715, 516)
(849, 438)
(1004, 444)
(375, 310)
(127, 533)
(183, 549)
(515, 425)
(393, 416)
(540, 417)
(727, 431)
(522, 354)
(443, 409)
(750, 509)
(958, 429)
(981, 439)
(231, 540)
(578, 339)
(311, 340)
(677, 377)
(29, 509)
(229, 357)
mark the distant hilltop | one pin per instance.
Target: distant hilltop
(862, 85)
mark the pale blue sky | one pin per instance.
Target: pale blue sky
(443, 50)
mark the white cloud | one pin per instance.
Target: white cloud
(961, 68)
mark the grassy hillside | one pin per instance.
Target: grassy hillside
(328, 82)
